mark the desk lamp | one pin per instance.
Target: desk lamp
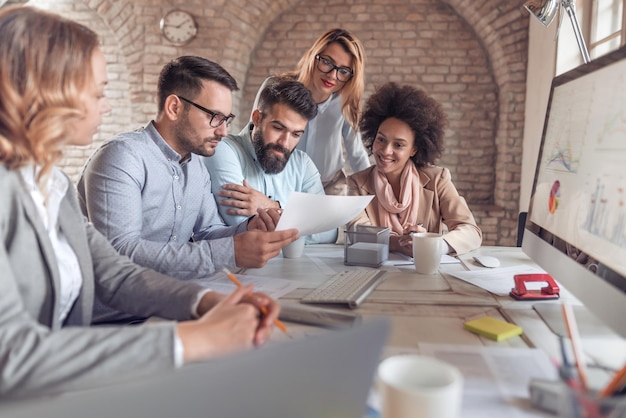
(546, 10)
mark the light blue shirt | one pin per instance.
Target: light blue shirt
(154, 209)
(235, 160)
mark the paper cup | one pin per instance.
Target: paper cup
(413, 386)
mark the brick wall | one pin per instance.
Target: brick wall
(469, 54)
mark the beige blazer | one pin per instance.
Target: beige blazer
(440, 204)
(39, 354)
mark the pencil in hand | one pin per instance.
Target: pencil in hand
(263, 309)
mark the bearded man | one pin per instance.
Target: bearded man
(260, 167)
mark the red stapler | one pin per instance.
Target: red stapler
(519, 292)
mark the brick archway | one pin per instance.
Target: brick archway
(503, 29)
(494, 33)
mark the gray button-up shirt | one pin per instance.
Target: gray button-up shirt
(155, 209)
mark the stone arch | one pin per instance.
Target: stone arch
(501, 31)
(120, 17)
(232, 33)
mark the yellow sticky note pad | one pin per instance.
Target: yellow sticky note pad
(493, 328)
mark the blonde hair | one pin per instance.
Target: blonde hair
(45, 63)
(352, 90)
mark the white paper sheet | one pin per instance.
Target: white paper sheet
(313, 213)
(497, 280)
(495, 378)
(397, 259)
(272, 287)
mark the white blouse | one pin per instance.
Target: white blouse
(71, 278)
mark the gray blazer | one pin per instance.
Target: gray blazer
(39, 354)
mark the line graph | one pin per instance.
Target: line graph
(562, 159)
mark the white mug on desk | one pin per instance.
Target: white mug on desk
(426, 252)
(295, 249)
(414, 386)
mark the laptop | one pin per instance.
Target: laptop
(325, 375)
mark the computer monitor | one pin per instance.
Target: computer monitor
(576, 225)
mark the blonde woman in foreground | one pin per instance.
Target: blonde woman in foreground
(53, 263)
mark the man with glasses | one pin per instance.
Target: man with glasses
(149, 192)
(259, 168)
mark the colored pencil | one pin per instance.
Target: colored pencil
(615, 384)
(572, 331)
(234, 279)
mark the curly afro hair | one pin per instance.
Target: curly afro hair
(424, 115)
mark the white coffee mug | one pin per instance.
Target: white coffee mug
(426, 252)
(295, 249)
(414, 386)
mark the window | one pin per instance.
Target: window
(607, 26)
(602, 25)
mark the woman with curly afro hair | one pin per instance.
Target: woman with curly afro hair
(403, 128)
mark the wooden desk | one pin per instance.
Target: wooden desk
(432, 309)
(422, 308)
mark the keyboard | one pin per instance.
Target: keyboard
(346, 288)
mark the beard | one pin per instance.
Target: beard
(271, 162)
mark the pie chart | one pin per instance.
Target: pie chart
(553, 200)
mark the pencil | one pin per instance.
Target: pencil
(572, 331)
(614, 384)
(234, 279)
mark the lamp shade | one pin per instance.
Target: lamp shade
(543, 10)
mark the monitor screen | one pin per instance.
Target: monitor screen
(576, 224)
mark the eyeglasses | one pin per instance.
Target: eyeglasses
(326, 66)
(216, 118)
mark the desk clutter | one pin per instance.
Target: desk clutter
(366, 246)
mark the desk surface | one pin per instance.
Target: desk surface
(432, 309)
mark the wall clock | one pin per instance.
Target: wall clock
(178, 27)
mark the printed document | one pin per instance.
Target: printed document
(272, 287)
(313, 213)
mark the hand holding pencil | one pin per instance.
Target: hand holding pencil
(262, 308)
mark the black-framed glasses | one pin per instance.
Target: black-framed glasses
(326, 66)
(217, 118)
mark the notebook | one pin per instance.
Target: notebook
(325, 375)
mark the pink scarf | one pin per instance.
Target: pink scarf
(394, 214)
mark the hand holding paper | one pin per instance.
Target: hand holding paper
(314, 213)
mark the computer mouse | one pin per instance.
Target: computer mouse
(487, 261)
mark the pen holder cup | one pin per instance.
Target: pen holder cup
(366, 246)
(579, 404)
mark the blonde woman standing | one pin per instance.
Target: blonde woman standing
(333, 70)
